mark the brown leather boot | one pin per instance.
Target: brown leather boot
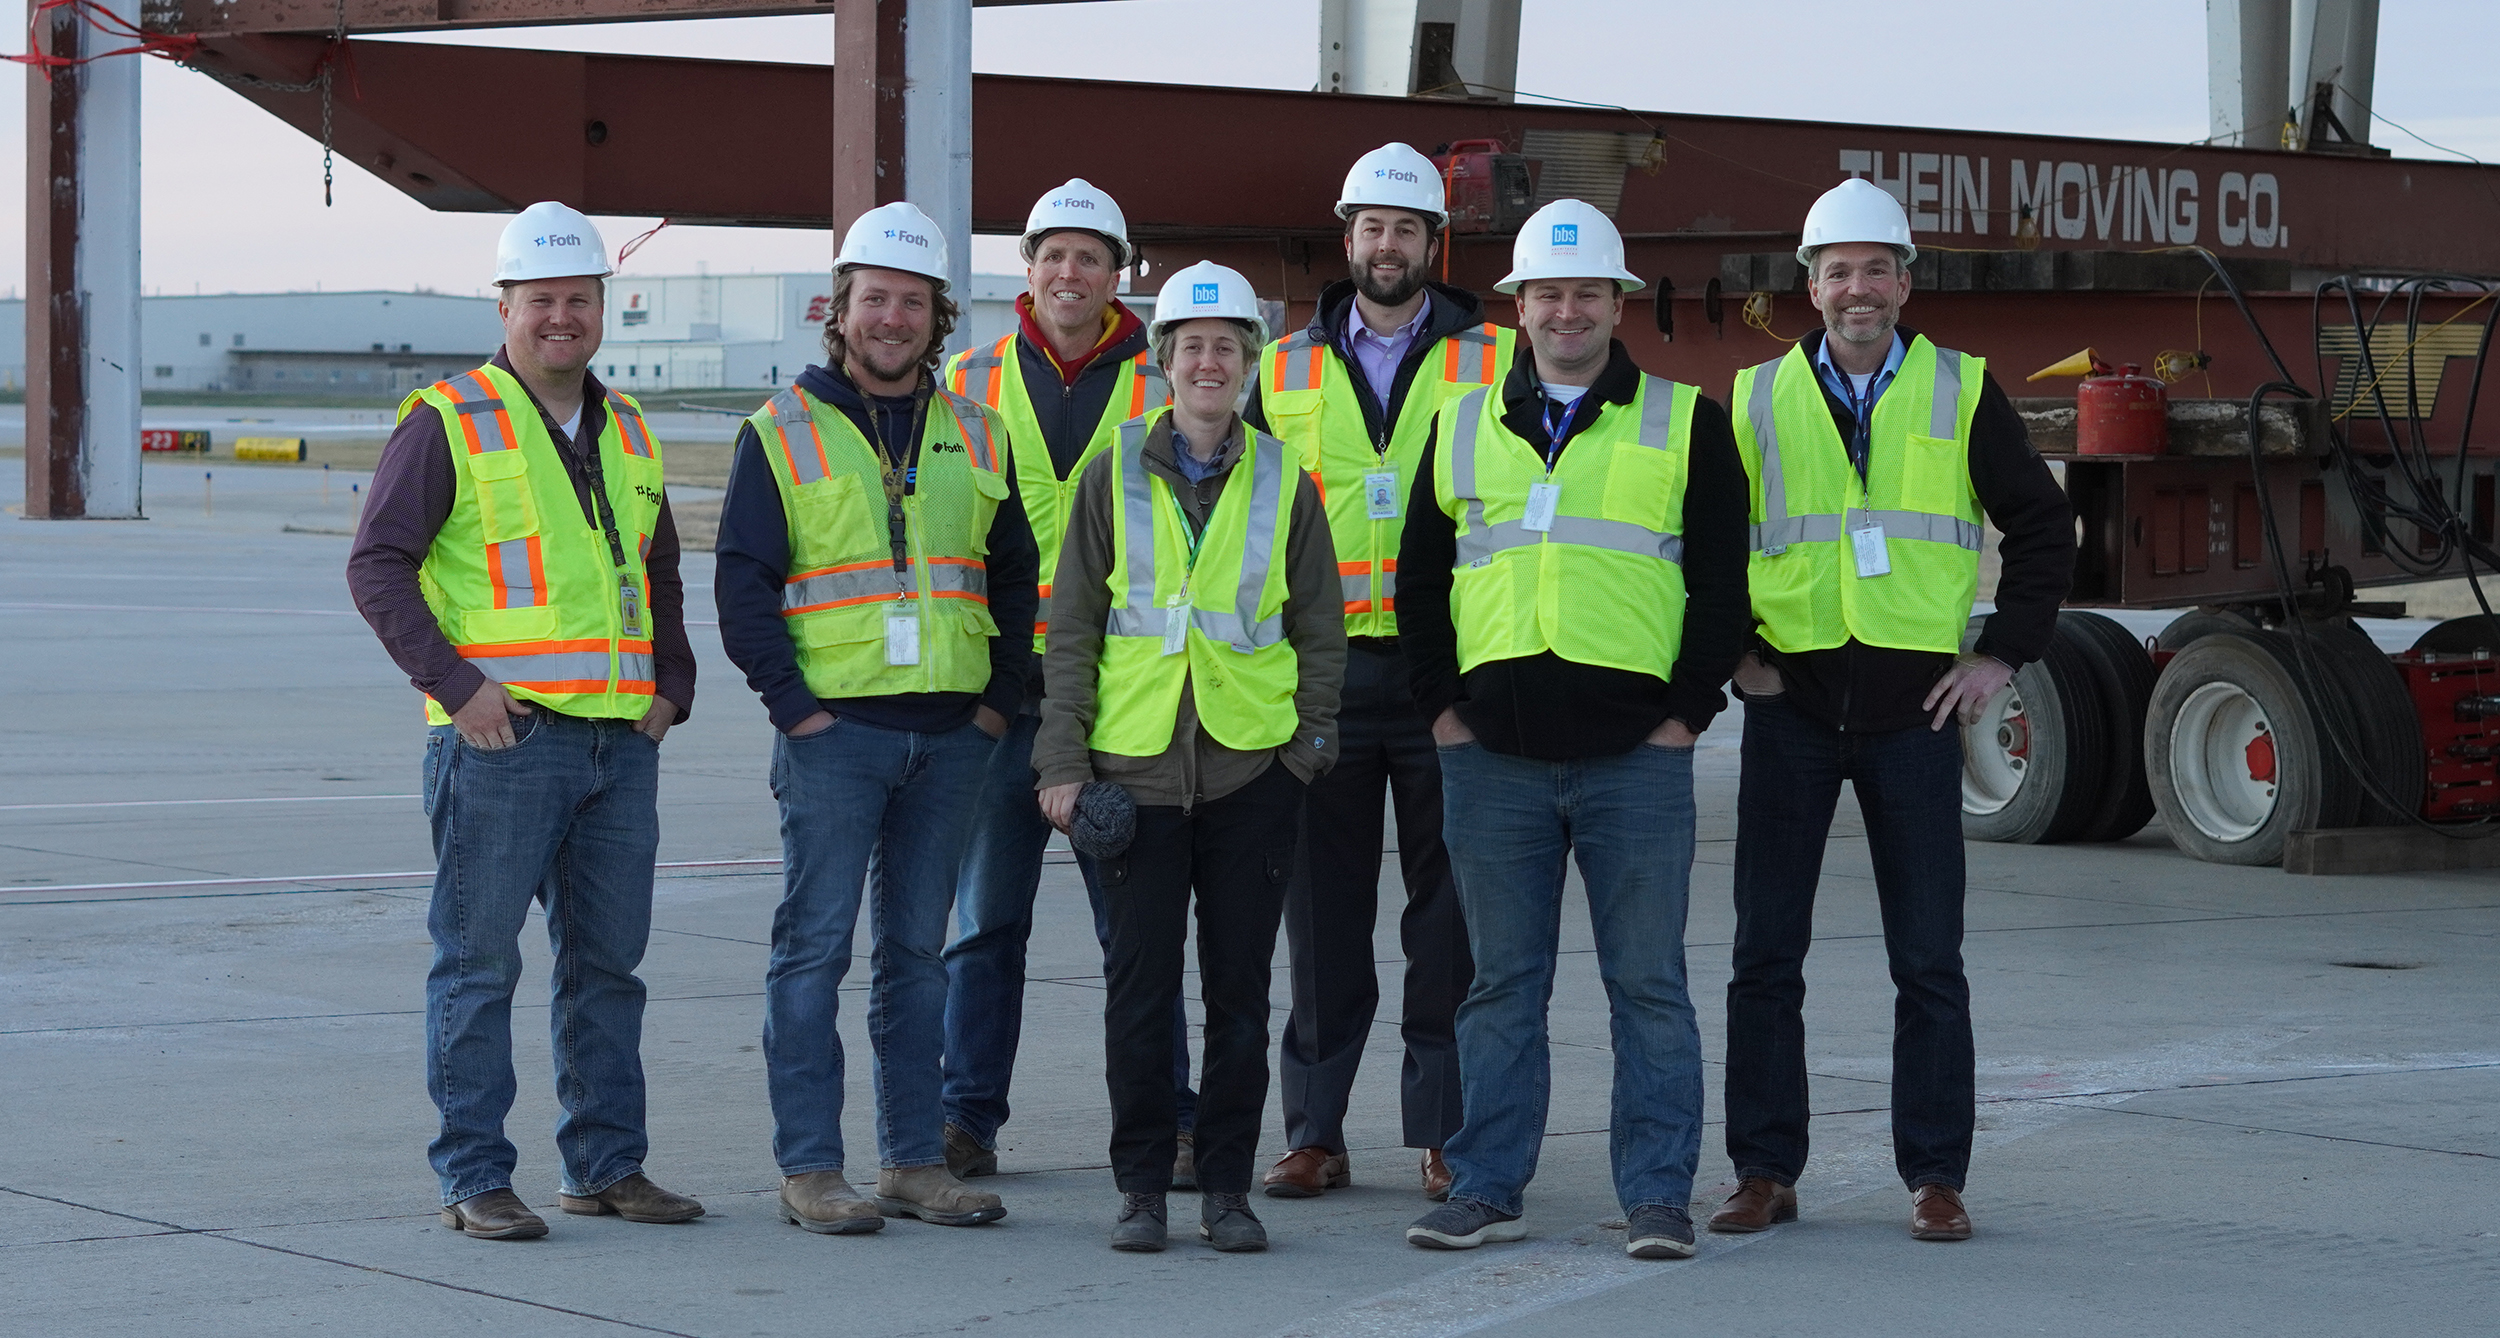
(825, 1203)
(1307, 1173)
(1758, 1202)
(1936, 1213)
(497, 1214)
(635, 1199)
(1436, 1176)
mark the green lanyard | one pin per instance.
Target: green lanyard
(1195, 536)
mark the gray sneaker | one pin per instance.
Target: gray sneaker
(1141, 1227)
(1226, 1223)
(1464, 1224)
(1657, 1231)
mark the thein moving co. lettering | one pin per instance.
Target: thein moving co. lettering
(2070, 201)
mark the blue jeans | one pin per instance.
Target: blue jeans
(1510, 822)
(1909, 786)
(891, 809)
(568, 816)
(993, 921)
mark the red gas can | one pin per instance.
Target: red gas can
(2123, 414)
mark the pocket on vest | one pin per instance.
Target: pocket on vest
(1935, 475)
(1639, 481)
(847, 625)
(506, 510)
(989, 489)
(500, 625)
(835, 508)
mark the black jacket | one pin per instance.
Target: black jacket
(1545, 706)
(1452, 310)
(754, 561)
(1872, 689)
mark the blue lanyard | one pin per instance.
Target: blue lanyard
(1863, 411)
(1558, 427)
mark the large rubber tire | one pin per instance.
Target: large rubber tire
(2123, 673)
(2236, 752)
(2372, 711)
(2462, 636)
(2032, 767)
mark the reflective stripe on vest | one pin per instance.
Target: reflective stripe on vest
(563, 666)
(1480, 541)
(629, 425)
(1355, 578)
(860, 582)
(485, 425)
(1779, 529)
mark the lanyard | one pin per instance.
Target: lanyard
(901, 470)
(1862, 412)
(1558, 427)
(1194, 536)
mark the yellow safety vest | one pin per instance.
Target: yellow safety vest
(842, 588)
(1605, 584)
(1231, 649)
(1808, 502)
(522, 585)
(996, 379)
(1307, 393)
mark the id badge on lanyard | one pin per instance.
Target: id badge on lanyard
(629, 605)
(902, 633)
(1380, 494)
(1867, 543)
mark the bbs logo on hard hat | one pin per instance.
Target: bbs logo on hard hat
(1208, 290)
(1202, 294)
(1566, 234)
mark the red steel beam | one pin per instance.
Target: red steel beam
(867, 106)
(235, 18)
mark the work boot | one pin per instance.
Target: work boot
(933, 1194)
(497, 1214)
(1226, 1223)
(1142, 1225)
(635, 1199)
(966, 1157)
(825, 1203)
(1185, 1163)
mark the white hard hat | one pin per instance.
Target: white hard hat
(550, 241)
(1567, 239)
(1080, 206)
(895, 236)
(1394, 176)
(1856, 210)
(1209, 290)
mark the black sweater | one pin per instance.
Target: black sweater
(1544, 706)
(1872, 689)
(754, 562)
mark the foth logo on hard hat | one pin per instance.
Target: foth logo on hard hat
(1566, 235)
(569, 239)
(1072, 202)
(1394, 174)
(908, 238)
(1202, 295)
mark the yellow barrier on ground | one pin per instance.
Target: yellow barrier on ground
(269, 448)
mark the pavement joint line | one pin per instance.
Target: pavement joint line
(2291, 1133)
(227, 1234)
(169, 803)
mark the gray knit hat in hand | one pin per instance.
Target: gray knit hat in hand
(1106, 820)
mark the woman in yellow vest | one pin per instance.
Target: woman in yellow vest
(1196, 645)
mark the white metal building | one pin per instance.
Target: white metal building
(361, 343)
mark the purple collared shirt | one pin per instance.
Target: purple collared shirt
(1379, 355)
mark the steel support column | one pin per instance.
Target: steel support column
(868, 76)
(82, 279)
(937, 129)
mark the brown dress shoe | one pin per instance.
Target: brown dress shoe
(497, 1214)
(1436, 1176)
(635, 1199)
(1307, 1173)
(1758, 1202)
(1936, 1214)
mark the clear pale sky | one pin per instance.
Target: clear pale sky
(233, 197)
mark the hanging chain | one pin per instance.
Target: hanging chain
(329, 69)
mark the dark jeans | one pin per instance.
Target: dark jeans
(1235, 854)
(1386, 754)
(568, 817)
(993, 921)
(1909, 786)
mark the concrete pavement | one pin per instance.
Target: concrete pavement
(2217, 1100)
